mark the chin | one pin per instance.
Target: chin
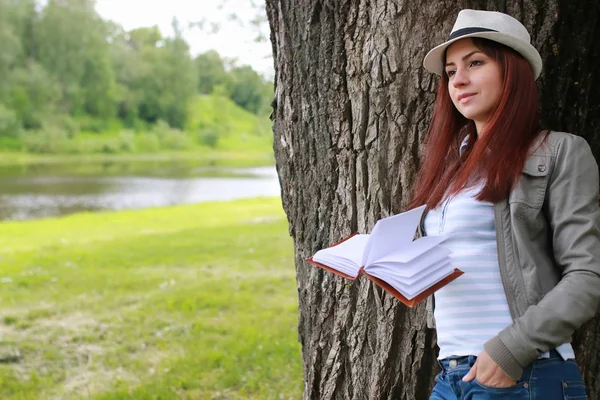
(470, 114)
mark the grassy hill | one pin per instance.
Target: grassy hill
(233, 127)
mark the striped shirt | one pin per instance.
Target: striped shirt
(472, 309)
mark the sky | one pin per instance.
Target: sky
(234, 38)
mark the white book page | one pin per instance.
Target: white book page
(410, 291)
(391, 233)
(345, 257)
(341, 264)
(416, 266)
(430, 276)
(434, 278)
(391, 273)
(413, 250)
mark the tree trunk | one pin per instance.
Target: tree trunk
(351, 109)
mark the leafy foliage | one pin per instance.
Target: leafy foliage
(63, 65)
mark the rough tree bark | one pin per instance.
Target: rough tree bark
(351, 109)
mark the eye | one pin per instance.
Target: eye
(475, 63)
(450, 73)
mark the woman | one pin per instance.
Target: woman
(521, 207)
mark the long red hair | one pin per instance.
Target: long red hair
(495, 157)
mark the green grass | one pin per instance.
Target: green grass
(192, 302)
(205, 156)
(237, 129)
(219, 158)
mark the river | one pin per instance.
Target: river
(39, 191)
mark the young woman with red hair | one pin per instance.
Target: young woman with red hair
(520, 205)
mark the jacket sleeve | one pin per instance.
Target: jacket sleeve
(574, 218)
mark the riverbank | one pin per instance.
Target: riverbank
(218, 131)
(182, 302)
(204, 156)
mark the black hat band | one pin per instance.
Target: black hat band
(468, 31)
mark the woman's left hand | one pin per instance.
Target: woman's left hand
(488, 373)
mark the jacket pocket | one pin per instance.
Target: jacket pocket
(530, 189)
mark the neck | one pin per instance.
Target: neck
(479, 127)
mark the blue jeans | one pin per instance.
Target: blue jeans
(547, 378)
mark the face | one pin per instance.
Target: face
(474, 81)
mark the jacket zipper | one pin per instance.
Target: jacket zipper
(510, 295)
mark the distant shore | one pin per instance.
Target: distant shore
(211, 157)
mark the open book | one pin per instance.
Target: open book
(409, 270)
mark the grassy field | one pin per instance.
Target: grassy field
(187, 302)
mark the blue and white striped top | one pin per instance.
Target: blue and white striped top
(473, 308)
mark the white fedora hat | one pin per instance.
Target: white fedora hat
(489, 25)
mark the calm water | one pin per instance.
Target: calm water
(50, 190)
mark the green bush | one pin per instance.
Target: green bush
(90, 124)
(127, 141)
(176, 140)
(147, 142)
(56, 135)
(209, 138)
(63, 122)
(89, 145)
(170, 138)
(47, 140)
(111, 147)
(161, 128)
(9, 123)
(76, 146)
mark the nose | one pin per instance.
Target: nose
(460, 78)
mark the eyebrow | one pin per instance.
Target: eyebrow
(465, 57)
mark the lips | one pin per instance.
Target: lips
(465, 97)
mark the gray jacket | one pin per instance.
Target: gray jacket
(548, 235)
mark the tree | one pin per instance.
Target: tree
(71, 45)
(10, 44)
(145, 37)
(34, 94)
(128, 67)
(211, 71)
(26, 89)
(351, 108)
(247, 88)
(165, 79)
(180, 80)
